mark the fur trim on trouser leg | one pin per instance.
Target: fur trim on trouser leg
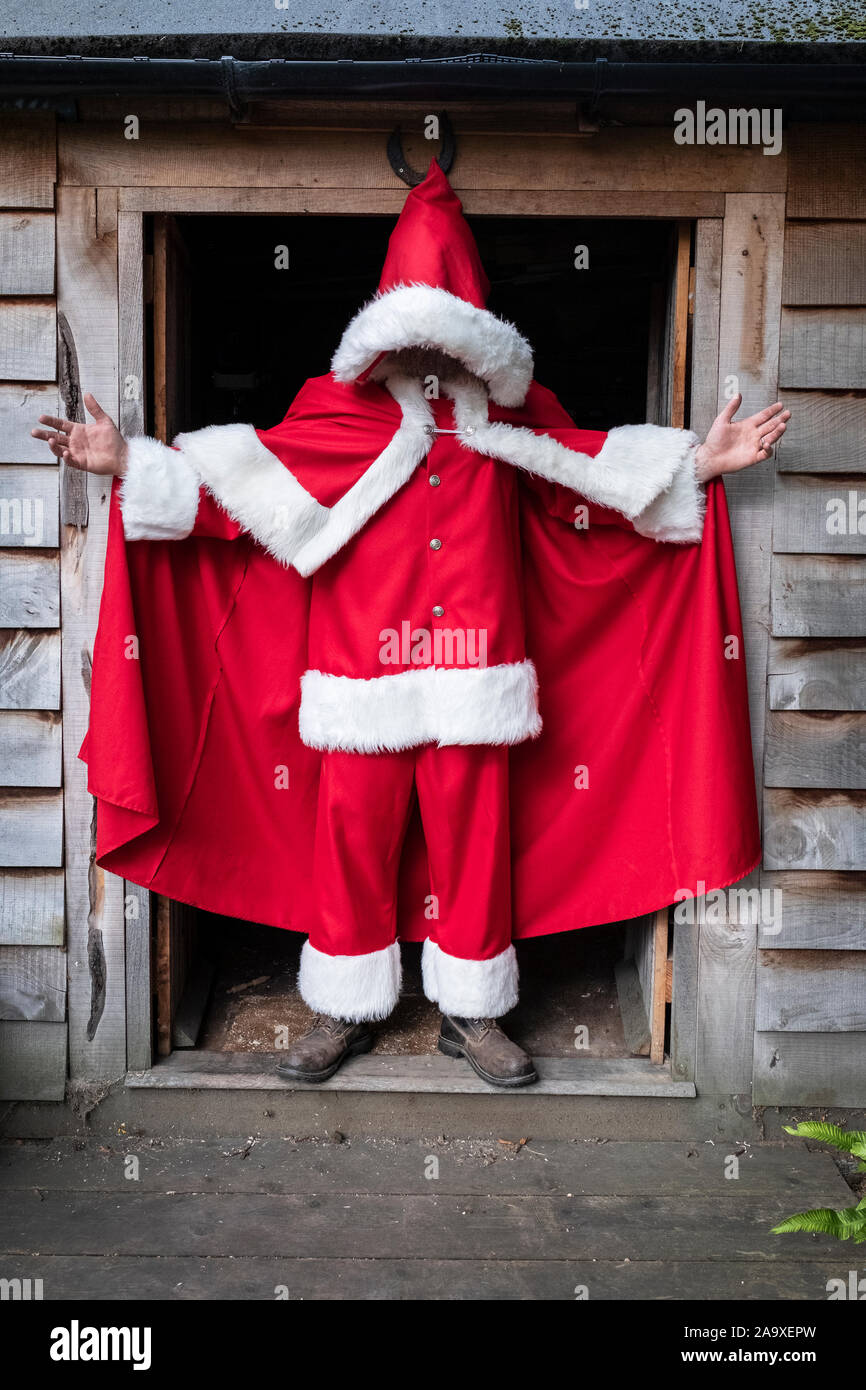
(358, 989)
(470, 988)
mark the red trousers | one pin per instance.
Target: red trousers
(350, 967)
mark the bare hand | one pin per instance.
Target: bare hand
(96, 448)
(731, 445)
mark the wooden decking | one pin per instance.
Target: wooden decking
(360, 1218)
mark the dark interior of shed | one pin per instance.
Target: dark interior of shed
(269, 298)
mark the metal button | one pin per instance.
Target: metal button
(439, 611)
(434, 480)
(435, 544)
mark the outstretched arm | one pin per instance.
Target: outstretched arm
(161, 498)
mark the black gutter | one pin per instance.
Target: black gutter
(475, 75)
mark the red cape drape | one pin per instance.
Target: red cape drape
(638, 645)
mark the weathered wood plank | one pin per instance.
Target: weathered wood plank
(827, 433)
(827, 171)
(823, 349)
(29, 589)
(819, 596)
(825, 263)
(28, 168)
(477, 202)
(29, 515)
(31, 907)
(815, 750)
(814, 830)
(396, 1167)
(818, 912)
(200, 1070)
(32, 1061)
(87, 298)
(31, 829)
(810, 1069)
(30, 748)
(33, 983)
(819, 515)
(625, 158)
(814, 675)
(811, 991)
(21, 404)
(28, 339)
(26, 253)
(76, 1279)
(751, 288)
(29, 670)
(626, 1228)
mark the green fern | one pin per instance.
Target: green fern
(850, 1223)
(851, 1141)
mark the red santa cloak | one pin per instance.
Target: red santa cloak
(327, 584)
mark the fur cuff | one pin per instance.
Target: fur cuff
(254, 487)
(432, 704)
(357, 989)
(158, 493)
(470, 988)
(677, 514)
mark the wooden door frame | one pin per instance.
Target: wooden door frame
(134, 204)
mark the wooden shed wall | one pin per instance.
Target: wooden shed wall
(781, 307)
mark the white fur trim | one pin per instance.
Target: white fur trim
(678, 513)
(635, 468)
(377, 484)
(431, 704)
(158, 493)
(424, 316)
(470, 988)
(254, 487)
(357, 989)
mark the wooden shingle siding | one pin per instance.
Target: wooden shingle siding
(819, 515)
(31, 828)
(31, 907)
(28, 339)
(32, 1060)
(828, 435)
(29, 670)
(818, 596)
(820, 1069)
(817, 675)
(811, 991)
(825, 263)
(29, 506)
(814, 829)
(29, 589)
(33, 983)
(818, 911)
(823, 349)
(33, 965)
(827, 171)
(815, 750)
(26, 253)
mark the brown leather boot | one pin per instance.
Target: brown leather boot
(487, 1050)
(318, 1053)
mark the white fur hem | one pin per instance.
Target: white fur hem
(431, 704)
(470, 988)
(158, 493)
(423, 316)
(254, 487)
(357, 989)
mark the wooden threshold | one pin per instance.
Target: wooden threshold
(559, 1076)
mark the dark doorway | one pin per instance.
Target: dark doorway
(246, 308)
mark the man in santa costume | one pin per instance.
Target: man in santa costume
(411, 498)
